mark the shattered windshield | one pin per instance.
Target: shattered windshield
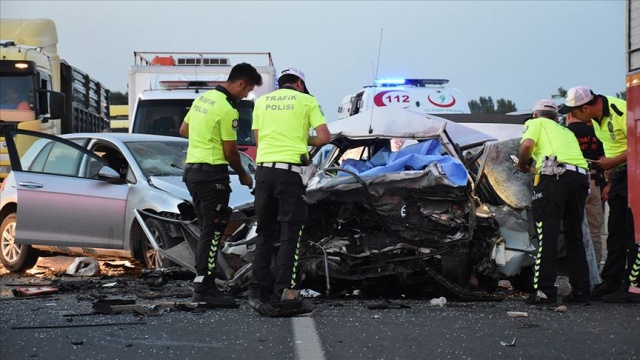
(168, 158)
(160, 158)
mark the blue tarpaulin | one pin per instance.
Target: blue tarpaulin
(414, 157)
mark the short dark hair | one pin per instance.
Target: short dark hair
(246, 72)
(547, 114)
(287, 79)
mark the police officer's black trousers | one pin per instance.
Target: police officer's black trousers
(559, 201)
(281, 212)
(210, 192)
(621, 248)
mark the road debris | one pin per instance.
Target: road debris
(441, 301)
(561, 309)
(84, 266)
(117, 306)
(512, 343)
(34, 290)
(517, 314)
(76, 325)
(384, 305)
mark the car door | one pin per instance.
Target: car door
(61, 201)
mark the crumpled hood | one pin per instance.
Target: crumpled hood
(241, 197)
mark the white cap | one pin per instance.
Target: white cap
(545, 105)
(576, 96)
(292, 71)
(296, 72)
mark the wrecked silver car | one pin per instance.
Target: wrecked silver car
(399, 202)
(398, 208)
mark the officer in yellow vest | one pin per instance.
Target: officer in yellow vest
(609, 119)
(211, 126)
(282, 121)
(559, 195)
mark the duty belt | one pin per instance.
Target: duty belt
(560, 168)
(224, 168)
(283, 166)
(575, 168)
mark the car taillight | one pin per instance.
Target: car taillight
(2, 186)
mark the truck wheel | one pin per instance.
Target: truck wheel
(164, 239)
(16, 258)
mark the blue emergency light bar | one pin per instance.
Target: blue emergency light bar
(383, 82)
(413, 82)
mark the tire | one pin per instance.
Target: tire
(16, 258)
(455, 265)
(161, 234)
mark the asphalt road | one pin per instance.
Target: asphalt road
(64, 326)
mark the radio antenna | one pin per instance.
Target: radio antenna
(374, 81)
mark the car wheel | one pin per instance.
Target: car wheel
(160, 232)
(16, 258)
(456, 267)
(523, 281)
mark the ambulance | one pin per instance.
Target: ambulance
(428, 96)
(431, 97)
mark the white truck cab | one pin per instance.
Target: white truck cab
(162, 86)
(429, 96)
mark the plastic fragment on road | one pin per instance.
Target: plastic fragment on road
(34, 290)
(512, 343)
(84, 266)
(561, 309)
(308, 293)
(441, 301)
(517, 313)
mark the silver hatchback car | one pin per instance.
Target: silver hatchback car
(78, 194)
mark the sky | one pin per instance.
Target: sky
(521, 51)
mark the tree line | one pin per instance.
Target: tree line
(486, 105)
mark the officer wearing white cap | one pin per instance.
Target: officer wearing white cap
(281, 123)
(609, 119)
(210, 125)
(560, 190)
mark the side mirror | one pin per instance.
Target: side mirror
(108, 174)
(52, 103)
(56, 106)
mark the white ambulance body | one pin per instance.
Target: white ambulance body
(428, 96)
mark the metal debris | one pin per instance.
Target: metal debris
(34, 290)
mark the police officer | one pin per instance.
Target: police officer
(591, 149)
(281, 123)
(559, 195)
(211, 125)
(609, 119)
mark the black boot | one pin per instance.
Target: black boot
(207, 293)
